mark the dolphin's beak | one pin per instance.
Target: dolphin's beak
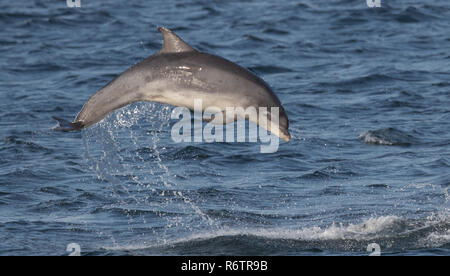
(285, 135)
(281, 133)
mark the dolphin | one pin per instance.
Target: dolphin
(177, 75)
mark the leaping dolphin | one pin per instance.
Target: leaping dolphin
(177, 75)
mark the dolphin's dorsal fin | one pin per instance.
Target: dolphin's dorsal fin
(173, 43)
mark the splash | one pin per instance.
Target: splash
(392, 233)
(127, 151)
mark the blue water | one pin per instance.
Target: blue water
(367, 92)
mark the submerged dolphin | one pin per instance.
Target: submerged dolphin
(177, 75)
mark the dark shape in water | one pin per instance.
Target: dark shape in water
(388, 137)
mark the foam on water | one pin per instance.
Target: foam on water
(390, 231)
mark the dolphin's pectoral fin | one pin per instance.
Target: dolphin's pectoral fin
(64, 125)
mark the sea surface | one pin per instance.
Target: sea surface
(367, 92)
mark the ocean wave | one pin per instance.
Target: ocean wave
(275, 31)
(390, 232)
(189, 153)
(414, 15)
(270, 69)
(374, 79)
(329, 172)
(25, 145)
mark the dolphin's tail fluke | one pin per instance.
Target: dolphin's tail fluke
(64, 125)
